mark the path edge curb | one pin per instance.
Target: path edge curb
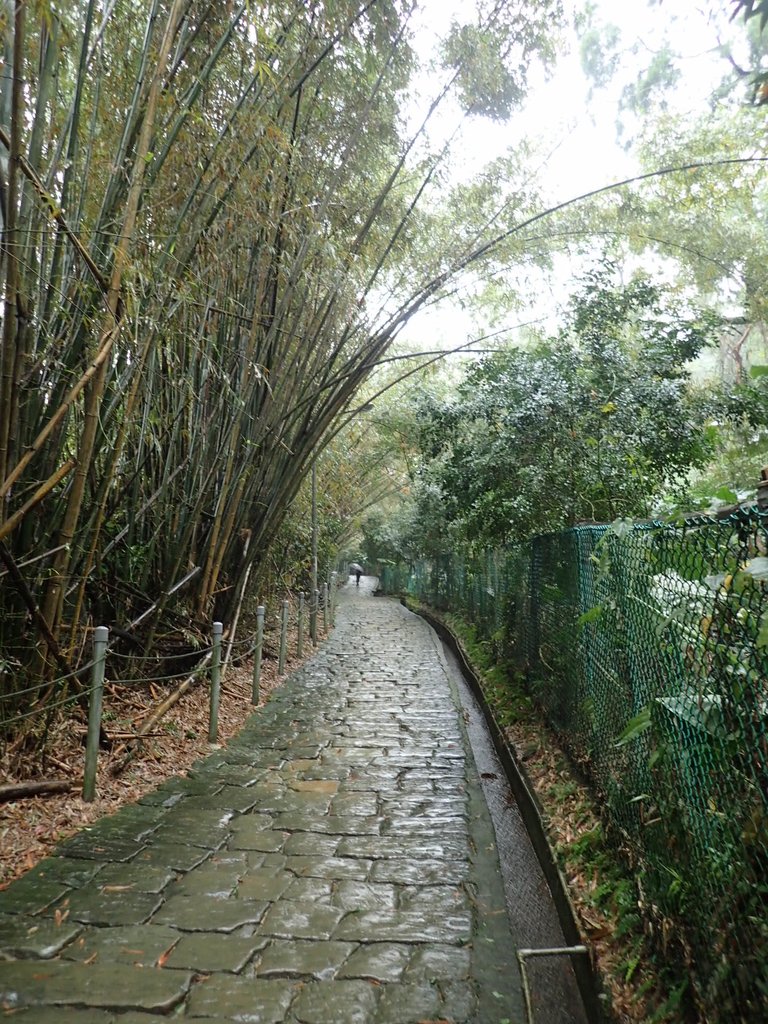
(527, 801)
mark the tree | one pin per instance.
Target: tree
(210, 239)
(188, 330)
(589, 425)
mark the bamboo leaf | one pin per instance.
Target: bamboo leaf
(635, 727)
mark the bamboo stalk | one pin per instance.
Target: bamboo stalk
(70, 167)
(43, 787)
(42, 625)
(56, 213)
(10, 333)
(13, 521)
(110, 328)
(57, 417)
(117, 449)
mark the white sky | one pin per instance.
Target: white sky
(577, 131)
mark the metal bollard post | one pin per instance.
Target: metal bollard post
(100, 638)
(522, 958)
(300, 629)
(325, 607)
(313, 615)
(213, 720)
(257, 655)
(334, 580)
(283, 639)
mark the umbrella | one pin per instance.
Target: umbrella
(355, 567)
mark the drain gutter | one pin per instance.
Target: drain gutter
(522, 956)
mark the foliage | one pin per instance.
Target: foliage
(587, 426)
(655, 74)
(492, 59)
(709, 223)
(354, 473)
(211, 217)
(598, 51)
(741, 447)
(752, 9)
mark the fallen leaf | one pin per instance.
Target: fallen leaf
(163, 958)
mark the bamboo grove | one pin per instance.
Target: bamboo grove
(209, 212)
(217, 216)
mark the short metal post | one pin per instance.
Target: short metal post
(213, 720)
(300, 629)
(313, 615)
(524, 954)
(283, 639)
(325, 607)
(100, 638)
(334, 580)
(257, 654)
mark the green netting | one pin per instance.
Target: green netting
(647, 649)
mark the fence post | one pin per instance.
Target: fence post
(313, 615)
(213, 721)
(300, 633)
(283, 639)
(334, 578)
(100, 638)
(325, 607)
(257, 655)
(762, 489)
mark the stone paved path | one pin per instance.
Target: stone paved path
(334, 864)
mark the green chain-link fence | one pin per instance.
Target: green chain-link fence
(647, 648)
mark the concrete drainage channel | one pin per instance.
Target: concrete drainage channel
(557, 980)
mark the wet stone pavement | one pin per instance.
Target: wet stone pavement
(334, 864)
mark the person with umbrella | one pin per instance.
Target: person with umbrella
(357, 569)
